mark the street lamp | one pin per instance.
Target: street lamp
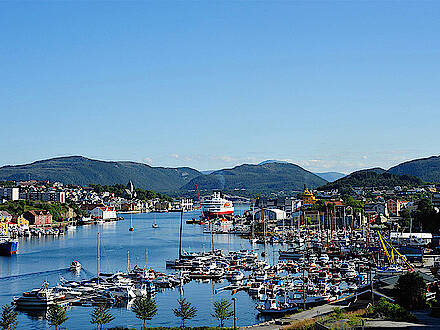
(235, 317)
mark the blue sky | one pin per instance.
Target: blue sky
(331, 86)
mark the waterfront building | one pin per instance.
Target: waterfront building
(38, 217)
(5, 216)
(103, 212)
(411, 238)
(271, 214)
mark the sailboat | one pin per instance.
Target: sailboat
(154, 225)
(131, 222)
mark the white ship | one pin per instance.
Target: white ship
(216, 206)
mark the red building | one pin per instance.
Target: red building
(38, 217)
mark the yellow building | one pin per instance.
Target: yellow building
(22, 221)
(4, 225)
(308, 197)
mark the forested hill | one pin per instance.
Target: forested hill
(270, 177)
(375, 177)
(79, 170)
(427, 169)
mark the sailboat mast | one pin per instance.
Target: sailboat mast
(180, 235)
(128, 262)
(212, 238)
(98, 258)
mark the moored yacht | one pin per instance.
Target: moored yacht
(40, 298)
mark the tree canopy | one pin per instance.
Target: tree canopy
(8, 319)
(410, 291)
(144, 309)
(185, 311)
(56, 315)
(222, 311)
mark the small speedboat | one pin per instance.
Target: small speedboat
(75, 266)
(154, 225)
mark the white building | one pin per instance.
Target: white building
(10, 194)
(407, 238)
(271, 214)
(103, 212)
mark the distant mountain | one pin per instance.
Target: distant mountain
(375, 177)
(207, 171)
(427, 169)
(265, 178)
(270, 161)
(82, 171)
(331, 176)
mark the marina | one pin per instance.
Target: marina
(47, 258)
(272, 273)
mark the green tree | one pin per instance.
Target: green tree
(101, 315)
(405, 216)
(410, 291)
(185, 311)
(8, 320)
(222, 311)
(144, 308)
(426, 217)
(56, 315)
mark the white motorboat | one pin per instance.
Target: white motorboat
(40, 298)
(75, 266)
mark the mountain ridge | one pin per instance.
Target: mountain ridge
(373, 177)
(268, 177)
(83, 171)
(427, 169)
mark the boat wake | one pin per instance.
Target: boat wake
(55, 271)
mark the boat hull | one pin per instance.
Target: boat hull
(8, 248)
(213, 214)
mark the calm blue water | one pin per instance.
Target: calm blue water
(52, 255)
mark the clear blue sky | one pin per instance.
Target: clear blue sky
(327, 85)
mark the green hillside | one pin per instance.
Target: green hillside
(82, 171)
(375, 177)
(427, 169)
(265, 178)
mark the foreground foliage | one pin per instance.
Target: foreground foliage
(56, 315)
(410, 291)
(389, 311)
(8, 319)
(101, 315)
(185, 311)
(222, 311)
(144, 308)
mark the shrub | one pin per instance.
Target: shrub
(387, 310)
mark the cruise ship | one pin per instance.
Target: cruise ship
(216, 206)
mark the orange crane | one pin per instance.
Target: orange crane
(200, 202)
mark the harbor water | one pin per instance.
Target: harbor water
(48, 259)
